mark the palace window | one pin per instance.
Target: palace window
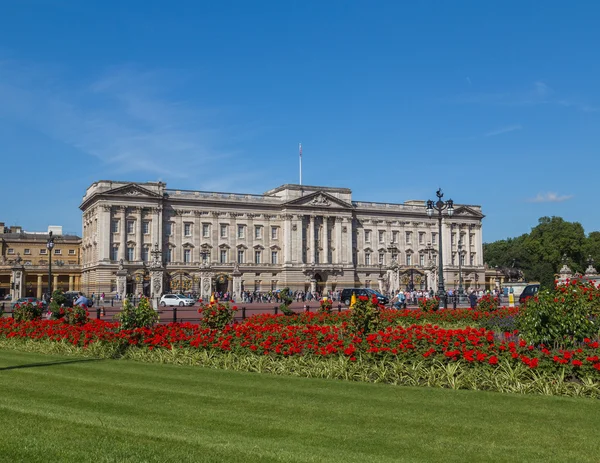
(394, 237)
(421, 238)
(115, 226)
(462, 259)
(206, 230)
(58, 252)
(187, 229)
(187, 256)
(169, 228)
(367, 236)
(381, 258)
(169, 256)
(434, 238)
(273, 233)
(240, 256)
(408, 237)
(145, 254)
(367, 258)
(130, 254)
(257, 254)
(258, 232)
(422, 260)
(71, 252)
(27, 252)
(273, 257)
(240, 231)
(223, 230)
(130, 226)
(381, 236)
(114, 253)
(408, 259)
(146, 227)
(223, 256)
(43, 252)
(394, 255)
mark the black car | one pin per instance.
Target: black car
(529, 291)
(346, 295)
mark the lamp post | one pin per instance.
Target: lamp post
(460, 282)
(50, 246)
(440, 206)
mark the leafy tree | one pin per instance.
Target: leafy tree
(540, 253)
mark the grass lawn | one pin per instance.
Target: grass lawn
(56, 409)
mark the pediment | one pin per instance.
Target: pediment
(466, 211)
(319, 199)
(132, 190)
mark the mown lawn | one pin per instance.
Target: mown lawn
(56, 409)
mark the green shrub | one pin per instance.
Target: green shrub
(325, 306)
(142, 316)
(564, 316)
(429, 304)
(76, 315)
(488, 303)
(217, 315)
(26, 312)
(55, 307)
(364, 315)
(286, 300)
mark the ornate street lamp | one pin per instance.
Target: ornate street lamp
(440, 206)
(50, 246)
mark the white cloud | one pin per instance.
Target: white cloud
(127, 118)
(510, 128)
(549, 198)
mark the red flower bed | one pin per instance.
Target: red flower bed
(263, 335)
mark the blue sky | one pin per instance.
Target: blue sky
(495, 102)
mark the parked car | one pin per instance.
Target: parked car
(28, 300)
(346, 295)
(529, 291)
(176, 299)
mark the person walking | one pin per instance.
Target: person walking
(473, 299)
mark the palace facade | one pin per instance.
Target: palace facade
(146, 238)
(24, 262)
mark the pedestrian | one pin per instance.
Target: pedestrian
(102, 298)
(473, 299)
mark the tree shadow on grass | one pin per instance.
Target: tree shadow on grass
(48, 364)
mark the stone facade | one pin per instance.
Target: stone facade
(143, 237)
(24, 262)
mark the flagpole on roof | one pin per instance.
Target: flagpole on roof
(300, 151)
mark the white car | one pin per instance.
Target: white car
(176, 299)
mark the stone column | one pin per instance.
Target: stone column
(287, 242)
(139, 242)
(121, 282)
(123, 230)
(54, 281)
(326, 239)
(70, 282)
(349, 235)
(206, 285)
(104, 233)
(297, 239)
(337, 240)
(39, 287)
(310, 238)
(18, 280)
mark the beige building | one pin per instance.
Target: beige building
(24, 261)
(144, 237)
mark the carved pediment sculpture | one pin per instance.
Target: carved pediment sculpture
(320, 200)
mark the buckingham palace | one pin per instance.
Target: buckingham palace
(147, 238)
